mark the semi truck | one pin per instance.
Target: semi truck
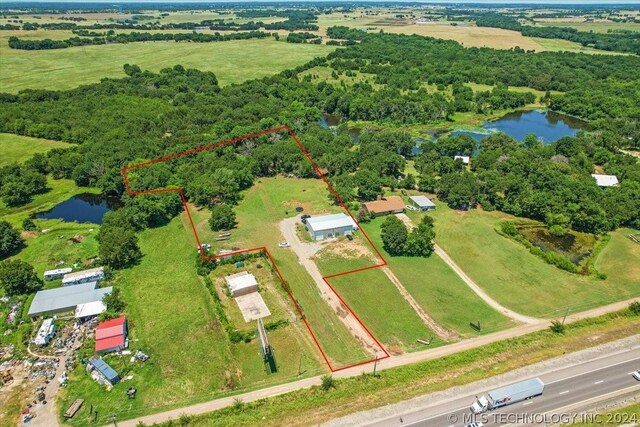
(508, 395)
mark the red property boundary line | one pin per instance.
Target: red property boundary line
(286, 128)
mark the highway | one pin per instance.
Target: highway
(565, 389)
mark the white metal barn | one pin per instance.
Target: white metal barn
(330, 226)
(242, 283)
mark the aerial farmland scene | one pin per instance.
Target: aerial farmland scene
(319, 213)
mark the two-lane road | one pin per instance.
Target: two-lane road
(563, 388)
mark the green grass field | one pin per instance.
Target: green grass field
(439, 291)
(559, 45)
(525, 283)
(232, 62)
(54, 249)
(17, 149)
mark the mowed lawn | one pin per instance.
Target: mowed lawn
(525, 283)
(439, 290)
(263, 206)
(233, 61)
(17, 149)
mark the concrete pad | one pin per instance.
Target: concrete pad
(252, 306)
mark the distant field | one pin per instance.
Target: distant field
(17, 149)
(525, 283)
(556, 45)
(232, 62)
(596, 26)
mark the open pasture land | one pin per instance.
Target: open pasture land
(55, 247)
(439, 290)
(599, 26)
(17, 148)
(232, 61)
(524, 282)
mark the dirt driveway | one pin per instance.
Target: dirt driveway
(305, 251)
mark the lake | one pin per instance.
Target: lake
(548, 126)
(84, 207)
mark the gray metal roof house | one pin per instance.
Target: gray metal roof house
(66, 298)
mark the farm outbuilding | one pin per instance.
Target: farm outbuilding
(67, 298)
(330, 226)
(90, 309)
(242, 283)
(422, 203)
(384, 206)
(111, 335)
(85, 276)
(105, 373)
(56, 274)
(465, 159)
(45, 333)
(605, 180)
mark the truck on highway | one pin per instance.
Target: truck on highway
(508, 395)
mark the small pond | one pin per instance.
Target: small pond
(548, 126)
(84, 207)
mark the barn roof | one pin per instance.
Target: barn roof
(329, 222)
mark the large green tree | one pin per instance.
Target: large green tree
(10, 240)
(222, 217)
(420, 240)
(118, 246)
(394, 235)
(18, 277)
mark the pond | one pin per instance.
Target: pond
(548, 126)
(332, 121)
(84, 207)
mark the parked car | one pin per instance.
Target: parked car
(304, 217)
(283, 244)
(349, 236)
(410, 208)
(636, 375)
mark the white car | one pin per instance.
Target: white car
(636, 375)
(410, 208)
(283, 245)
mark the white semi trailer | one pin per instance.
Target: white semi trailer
(507, 395)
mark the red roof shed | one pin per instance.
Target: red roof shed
(111, 335)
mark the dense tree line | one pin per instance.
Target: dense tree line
(133, 37)
(19, 183)
(119, 122)
(304, 37)
(10, 240)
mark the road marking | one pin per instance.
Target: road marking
(564, 392)
(599, 382)
(587, 372)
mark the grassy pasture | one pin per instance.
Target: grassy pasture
(233, 61)
(557, 45)
(439, 291)
(263, 206)
(17, 149)
(525, 283)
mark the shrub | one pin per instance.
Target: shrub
(328, 382)
(634, 307)
(509, 228)
(557, 327)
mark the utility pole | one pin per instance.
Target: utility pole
(113, 418)
(565, 316)
(375, 365)
(300, 365)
